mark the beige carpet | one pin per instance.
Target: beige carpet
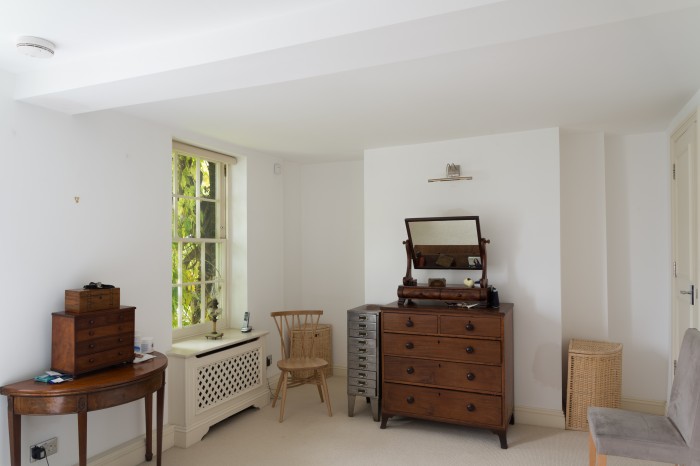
(308, 437)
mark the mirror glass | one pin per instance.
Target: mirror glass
(445, 242)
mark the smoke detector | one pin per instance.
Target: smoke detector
(35, 47)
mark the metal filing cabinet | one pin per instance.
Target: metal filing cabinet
(363, 357)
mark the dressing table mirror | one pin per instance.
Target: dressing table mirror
(444, 243)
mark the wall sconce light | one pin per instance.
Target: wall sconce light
(452, 173)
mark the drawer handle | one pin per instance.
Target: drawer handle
(362, 374)
(361, 382)
(362, 317)
(409, 345)
(361, 342)
(362, 350)
(409, 322)
(362, 358)
(469, 327)
(362, 325)
(361, 390)
(410, 370)
(121, 354)
(121, 340)
(470, 376)
(363, 366)
(91, 345)
(470, 349)
(470, 407)
(410, 399)
(92, 322)
(91, 360)
(362, 334)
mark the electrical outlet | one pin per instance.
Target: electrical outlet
(268, 361)
(50, 447)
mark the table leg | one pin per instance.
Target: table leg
(160, 399)
(14, 424)
(82, 438)
(149, 426)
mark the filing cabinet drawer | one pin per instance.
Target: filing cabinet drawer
(362, 365)
(359, 333)
(354, 390)
(362, 374)
(355, 344)
(365, 383)
(362, 317)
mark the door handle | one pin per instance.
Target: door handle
(691, 293)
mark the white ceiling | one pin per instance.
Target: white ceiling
(315, 80)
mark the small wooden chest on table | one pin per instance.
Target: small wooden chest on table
(94, 332)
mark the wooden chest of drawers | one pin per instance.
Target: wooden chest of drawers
(448, 364)
(363, 357)
(83, 343)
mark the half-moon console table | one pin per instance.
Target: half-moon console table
(91, 392)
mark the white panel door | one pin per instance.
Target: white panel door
(685, 254)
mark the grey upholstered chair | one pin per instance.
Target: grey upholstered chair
(674, 438)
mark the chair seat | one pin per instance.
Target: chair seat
(618, 432)
(296, 364)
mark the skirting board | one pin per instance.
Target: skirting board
(133, 451)
(644, 406)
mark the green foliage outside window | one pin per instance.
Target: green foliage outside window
(198, 246)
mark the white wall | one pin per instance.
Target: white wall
(616, 251)
(583, 239)
(516, 193)
(118, 233)
(331, 260)
(639, 259)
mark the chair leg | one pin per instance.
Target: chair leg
(284, 395)
(279, 384)
(319, 384)
(594, 459)
(325, 392)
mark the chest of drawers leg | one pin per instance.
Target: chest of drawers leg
(363, 357)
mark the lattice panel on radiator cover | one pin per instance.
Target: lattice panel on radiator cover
(227, 378)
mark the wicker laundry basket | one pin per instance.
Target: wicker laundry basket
(321, 349)
(595, 379)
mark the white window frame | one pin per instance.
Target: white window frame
(205, 326)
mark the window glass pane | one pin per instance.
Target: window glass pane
(208, 219)
(191, 262)
(187, 174)
(186, 218)
(176, 268)
(208, 177)
(175, 301)
(191, 304)
(211, 265)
